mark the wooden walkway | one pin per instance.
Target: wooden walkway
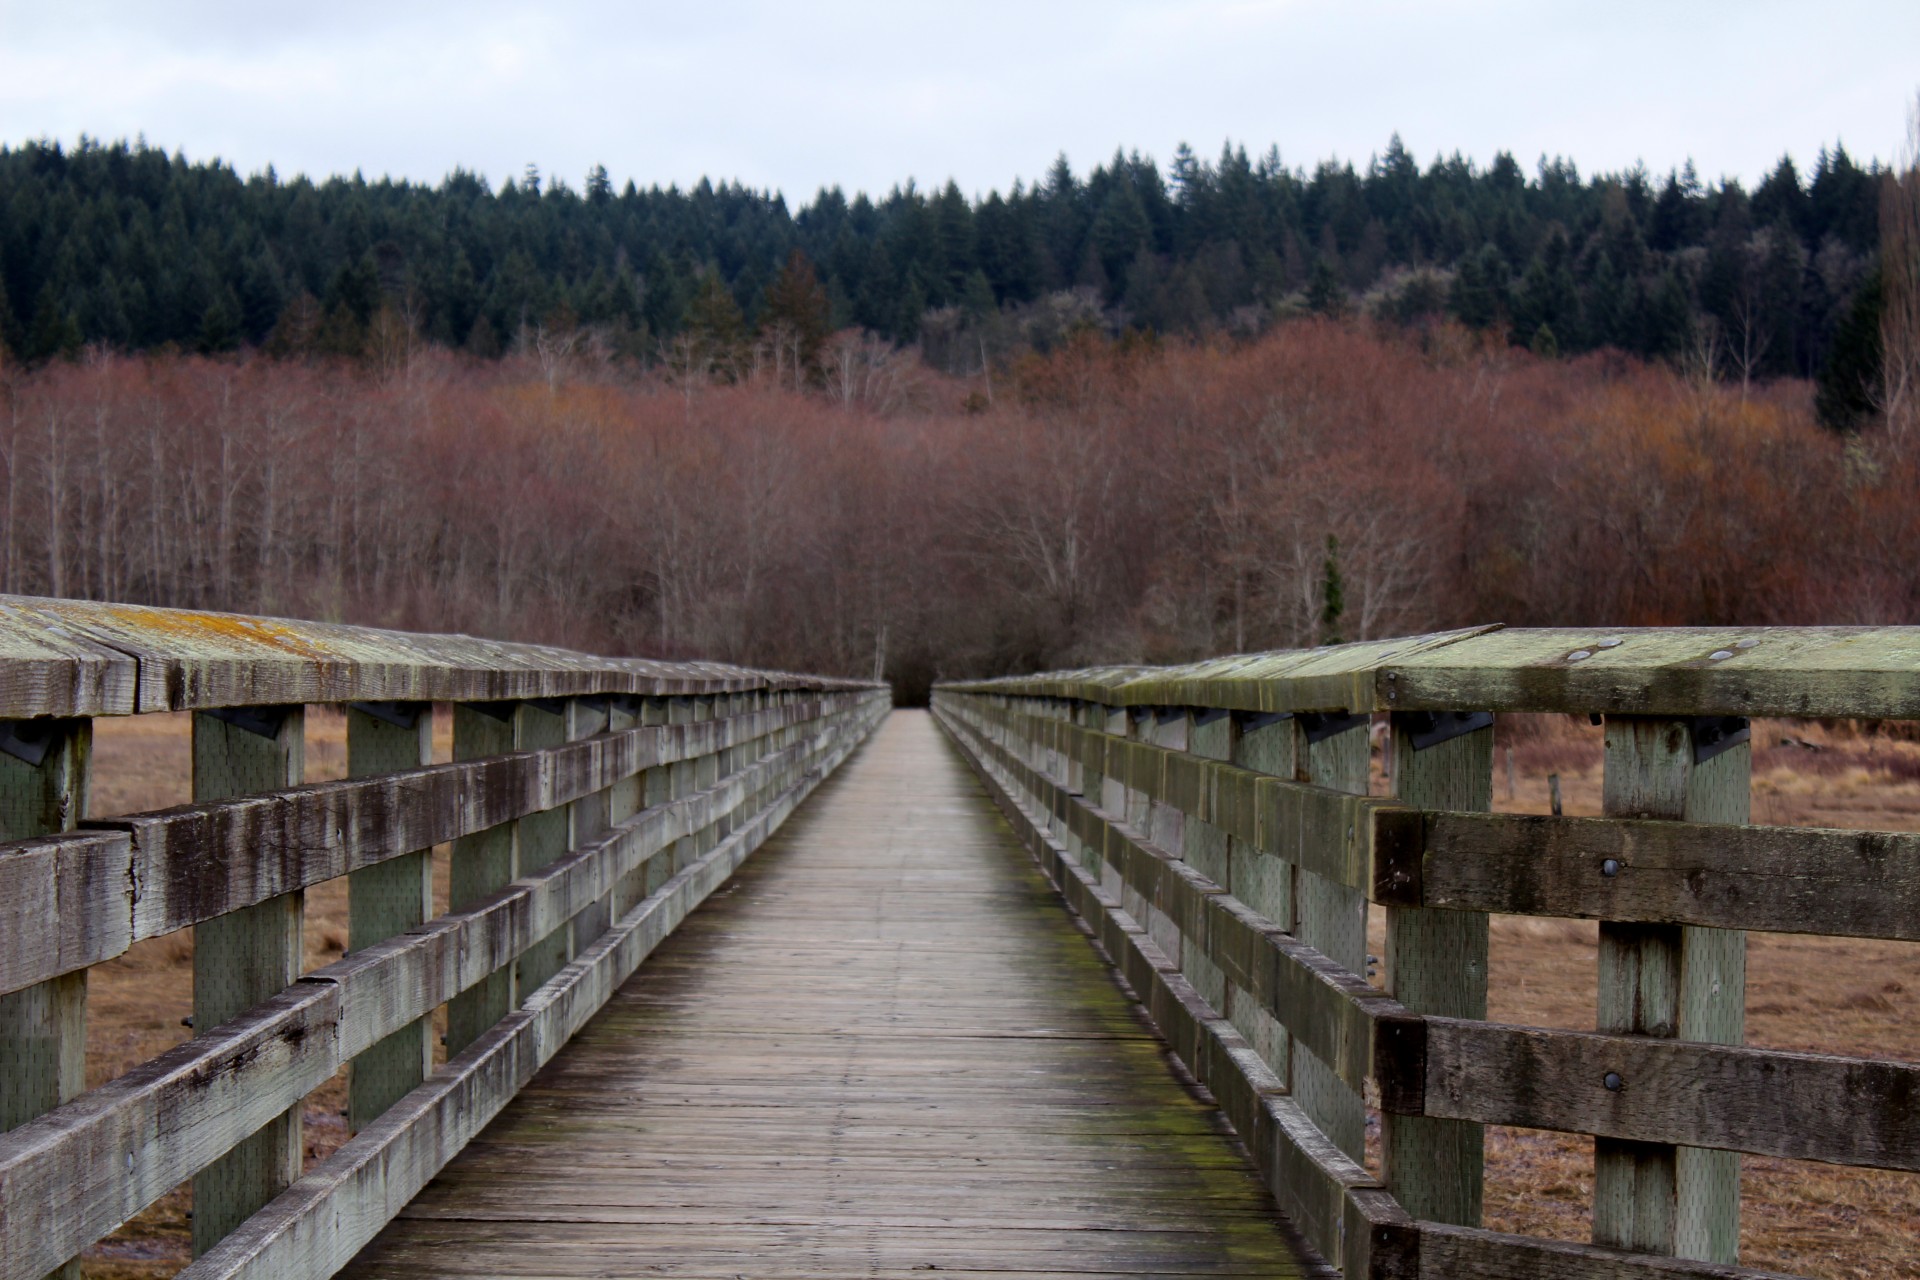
(882, 1051)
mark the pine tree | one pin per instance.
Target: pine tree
(1333, 594)
(1847, 389)
(796, 302)
(1326, 296)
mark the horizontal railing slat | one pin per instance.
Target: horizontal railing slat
(77, 1172)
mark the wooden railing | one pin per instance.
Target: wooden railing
(1212, 827)
(590, 804)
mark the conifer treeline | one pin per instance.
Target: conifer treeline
(129, 246)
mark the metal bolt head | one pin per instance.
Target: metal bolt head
(1719, 654)
(1748, 643)
(1579, 655)
(1610, 868)
(1613, 1081)
(1612, 642)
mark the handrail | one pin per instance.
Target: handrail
(1211, 824)
(591, 804)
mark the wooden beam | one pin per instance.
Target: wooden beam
(1858, 884)
(1666, 981)
(43, 1028)
(245, 957)
(1436, 963)
(388, 898)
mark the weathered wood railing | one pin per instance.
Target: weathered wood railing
(1211, 825)
(591, 803)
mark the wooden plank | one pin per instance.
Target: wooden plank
(197, 862)
(43, 1028)
(1663, 980)
(335, 1211)
(1668, 671)
(1436, 963)
(244, 957)
(1776, 879)
(1855, 1111)
(189, 659)
(45, 670)
(64, 1175)
(1448, 1252)
(388, 898)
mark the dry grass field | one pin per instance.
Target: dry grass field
(1822, 995)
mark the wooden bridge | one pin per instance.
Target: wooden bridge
(891, 1043)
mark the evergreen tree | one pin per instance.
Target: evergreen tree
(1326, 296)
(796, 301)
(1333, 594)
(1847, 390)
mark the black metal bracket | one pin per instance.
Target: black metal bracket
(1431, 728)
(1318, 726)
(401, 715)
(262, 722)
(1715, 734)
(28, 741)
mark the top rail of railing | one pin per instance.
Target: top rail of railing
(1868, 672)
(82, 658)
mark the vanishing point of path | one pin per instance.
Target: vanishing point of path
(883, 1050)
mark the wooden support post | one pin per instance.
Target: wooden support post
(483, 864)
(1670, 980)
(623, 801)
(388, 898)
(43, 1029)
(1332, 920)
(246, 956)
(656, 788)
(1264, 744)
(587, 816)
(1436, 963)
(542, 838)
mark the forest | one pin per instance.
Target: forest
(125, 245)
(1109, 500)
(1124, 418)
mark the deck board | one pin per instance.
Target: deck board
(883, 1050)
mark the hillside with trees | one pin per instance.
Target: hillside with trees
(138, 250)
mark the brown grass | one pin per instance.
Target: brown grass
(1816, 994)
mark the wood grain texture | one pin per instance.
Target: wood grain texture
(385, 899)
(116, 1148)
(242, 958)
(1450, 1253)
(807, 1079)
(1436, 963)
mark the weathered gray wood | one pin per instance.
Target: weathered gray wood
(540, 838)
(1436, 963)
(327, 1217)
(587, 816)
(481, 865)
(1448, 1253)
(1777, 879)
(1663, 980)
(242, 958)
(385, 899)
(1800, 1106)
(43, 1028)
(1332, 919)
(79, 657)
(198, 862)
(117, 1148)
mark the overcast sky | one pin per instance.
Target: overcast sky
(793, 95)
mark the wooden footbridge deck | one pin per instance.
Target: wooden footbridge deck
(883, 1051)
(742, 975)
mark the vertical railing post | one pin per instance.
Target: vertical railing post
(543, 837)
(1262, 743)
(482, 865)
(1331, 751)
(623, 801)
(1436, 963)
(246, 956)
(43, 1029)
(1670, 980)
(388, 898)
(587, 816)
(656, 788)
